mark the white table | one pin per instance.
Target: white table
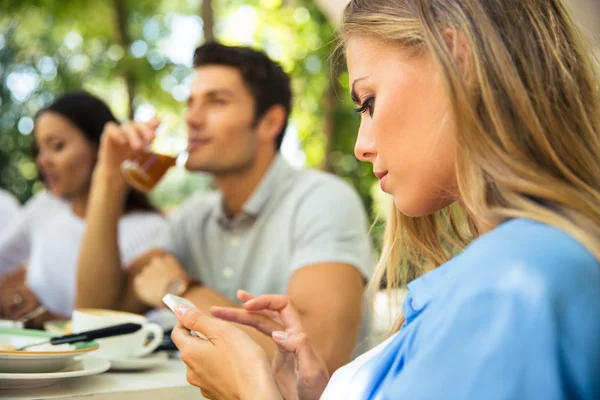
(161, 383)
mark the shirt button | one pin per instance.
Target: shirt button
(235, 241)
(227, 272)
(413, 305)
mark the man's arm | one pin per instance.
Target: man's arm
(329, 300)
(99, 258)
(101, 281)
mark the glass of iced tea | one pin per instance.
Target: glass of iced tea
(147, 167)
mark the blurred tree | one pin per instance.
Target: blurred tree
(124, 40)
(208, 20)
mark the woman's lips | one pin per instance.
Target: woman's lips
(382, 179)
(49, 180)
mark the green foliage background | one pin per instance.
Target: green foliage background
(51, 46)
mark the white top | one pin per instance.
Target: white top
(49, 235)
(350, 381)
(9, 208)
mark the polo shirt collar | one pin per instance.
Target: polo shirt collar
(279, 172)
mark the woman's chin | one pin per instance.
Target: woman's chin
(419, 207)
(406, 208)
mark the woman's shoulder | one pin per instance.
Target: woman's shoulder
(44, 197)
(525, 254)
(532, 242)
(7, 199)
(44, 204)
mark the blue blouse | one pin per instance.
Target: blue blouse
(515, 316)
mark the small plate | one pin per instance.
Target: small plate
(139, 364)
(82, 367)
(44, 358)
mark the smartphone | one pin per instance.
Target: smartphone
(171, 301)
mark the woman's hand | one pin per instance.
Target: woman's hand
(229, 365)
(299, 371)
(13, 279)
(17, 302)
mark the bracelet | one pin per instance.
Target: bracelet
(40, 310)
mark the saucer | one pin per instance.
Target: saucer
(41, 359)
(84, 366)
(139, 364)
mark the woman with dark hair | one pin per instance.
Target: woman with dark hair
(48, 233)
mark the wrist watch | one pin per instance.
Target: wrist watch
(178, 286)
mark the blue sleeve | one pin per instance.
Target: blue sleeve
(506, 343)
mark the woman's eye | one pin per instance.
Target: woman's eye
(58, 146)
(367, 105)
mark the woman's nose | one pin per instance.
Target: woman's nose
(364, 149)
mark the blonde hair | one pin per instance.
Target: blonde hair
(528, 121)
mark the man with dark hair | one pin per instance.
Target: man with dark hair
(266, 81)
(269, 228)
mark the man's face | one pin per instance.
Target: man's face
(220, 121)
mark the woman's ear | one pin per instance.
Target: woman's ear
(459, 47)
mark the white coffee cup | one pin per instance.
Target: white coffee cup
(132, 345)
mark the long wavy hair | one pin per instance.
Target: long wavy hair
(527, 114)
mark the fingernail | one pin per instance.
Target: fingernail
(181, 309)
(279, 335)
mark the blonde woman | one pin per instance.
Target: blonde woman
(482, 120)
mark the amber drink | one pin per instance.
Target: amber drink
(146, 169)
